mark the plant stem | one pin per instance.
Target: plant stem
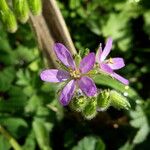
(11, 140)
(49, 28)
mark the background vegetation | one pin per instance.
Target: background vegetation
(30, 113)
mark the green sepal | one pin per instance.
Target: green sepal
(21, 10)
(90, 110)
(92, 72)
(78, 103)
(35, 6)
(118, 100)
(103, 100)
(84, 52)
(77, 59)
(61, 66)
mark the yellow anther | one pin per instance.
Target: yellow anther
(110, 60)
(75, 73)
(126, 87)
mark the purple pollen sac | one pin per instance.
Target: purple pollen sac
(110, 65)
(74, 78)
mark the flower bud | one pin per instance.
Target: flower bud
(89, 111)
(35, 6)
(9, 20)
(3, 5)
(84, 52)
(103, 100)
(21, 10)
(78, 103)
(77, 59)
(93, 72)
(119, 101)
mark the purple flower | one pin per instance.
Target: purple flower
(75, 76)
(110, 65)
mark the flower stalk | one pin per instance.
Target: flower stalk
(11, 140)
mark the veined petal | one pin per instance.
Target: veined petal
(120, 78)
(54, 75)
(116, 63)
(87, 86)
(107, 49)
(64, 55)
(98, 54)
(104, 67)
(87, 63)
(67, 93)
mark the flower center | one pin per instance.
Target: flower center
(110, 61)
(75, 73)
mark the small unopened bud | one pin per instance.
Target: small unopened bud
(119, 101)
(84, 52)
(89, 112)
(35, 6)
(21, 10)
(3, 5)
(77, 59)
(103, 100)
(78, 103)
(9, 20)
(93, 72)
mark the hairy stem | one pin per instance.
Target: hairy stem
(49, 28)
(11, 140)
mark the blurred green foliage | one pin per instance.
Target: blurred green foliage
(29, 110)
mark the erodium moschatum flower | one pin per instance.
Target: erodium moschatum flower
(74, 76)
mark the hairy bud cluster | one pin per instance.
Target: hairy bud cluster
(20, 10)
(90, 106)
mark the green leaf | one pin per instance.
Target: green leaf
(142, 134)
(110, 82)
(147, 22)
(24, 53)
(90, 143)
(16, 126)
(13, 104)
(41, 134)
(116, 26)
(140, 121)
(33, 103)
(73, 4)
(6, 78)
(127, 146)
(23, 78)
(3, 39)
(30, 143)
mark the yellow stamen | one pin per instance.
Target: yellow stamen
(75, 73)
(110, 60)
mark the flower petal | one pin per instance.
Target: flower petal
(107, 49)
(120, 78)
(67, 93)
(104, 67)
(87, 86)
(64, 55)
(98, 55)
(87, 63)
(116, 63)
(54, 75)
